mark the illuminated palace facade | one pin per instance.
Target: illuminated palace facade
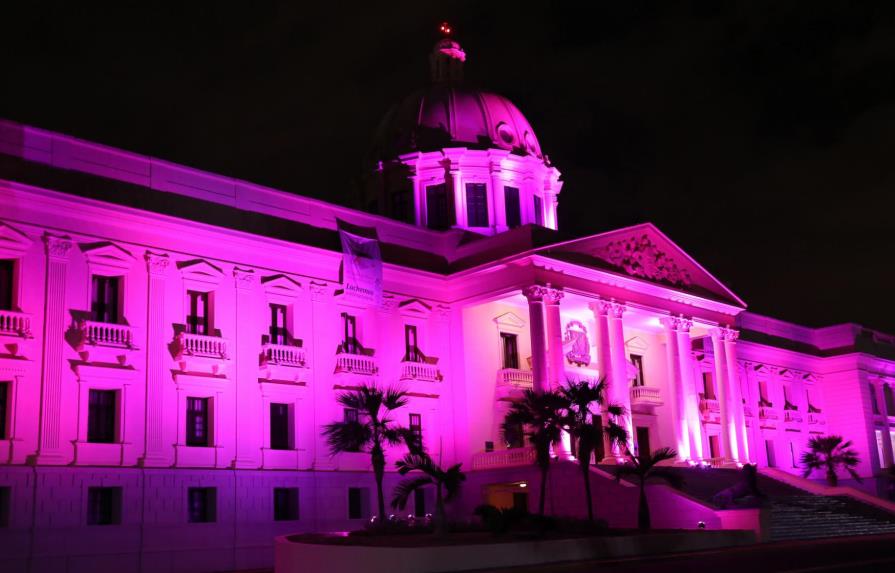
(172, 341)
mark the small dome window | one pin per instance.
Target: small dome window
(505, 132)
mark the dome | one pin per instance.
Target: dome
(445, 115)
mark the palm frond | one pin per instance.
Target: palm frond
(402, 491)
(394, 398)
(350, 436)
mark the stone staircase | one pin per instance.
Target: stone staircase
(816, 516)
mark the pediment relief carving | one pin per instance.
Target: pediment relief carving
(105, 257)
(638, 255)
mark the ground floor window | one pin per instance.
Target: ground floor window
(285, 503)
(103, 505)
(772, 455)
(101, 416)
(419, 503)
(202, 502)
(5, 496)
(520, 501)
(358, 502)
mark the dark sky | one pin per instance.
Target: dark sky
(759, 136)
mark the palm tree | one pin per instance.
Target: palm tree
(829, 453)
(543, 416)
(586, 430)
(447, 484)
(369, 429)
(645, 467)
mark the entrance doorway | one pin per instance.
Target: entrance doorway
(772, 456)
(643, 447)
(714, 447)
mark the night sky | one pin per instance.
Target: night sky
(758, 136)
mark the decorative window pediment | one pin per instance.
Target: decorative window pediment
(509, 321)
(201, 271)
(281, 285)
(13, 243)
(107, 258)
(636, 344)
(414, 307)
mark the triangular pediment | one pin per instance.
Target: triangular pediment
(636, 343)
(508, 319)
(106, 256)
(415, 306)
(643, 252)
(13, 243)
(200, 270)
(282, 285)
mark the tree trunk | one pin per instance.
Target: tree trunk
(543, 490)
(643, 518)
(378, 472)
(832, 478)
(440, 517)
(585, 472)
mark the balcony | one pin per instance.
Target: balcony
(282, 355)
(816, 419)
(792, 416)
(511, 382)
(95, 333)
(200, 353)
(360, 364)
(645, 396)
(709, 410)
(768, 417)
(504, 458)
(14, 323)
(422, 371)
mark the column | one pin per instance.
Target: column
(677, 399)
(604, 357)
(535, 296)
(556, 360)
(888, 446)
(49, 448)
(688, 386)
(728, 451)
(459, 201)
(736, 395)
(619, 362)
(246, 395)
(156, 453)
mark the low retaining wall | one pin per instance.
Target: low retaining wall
(296, 557)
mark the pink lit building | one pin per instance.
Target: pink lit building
(172, 342)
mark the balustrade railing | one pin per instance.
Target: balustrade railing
(792, 416)
(647, 395)
(15, 323)
(504, 458)
(766, 413)
(282, 354)
(709, 405)
(106, 334)
(515, 377)
(420, 371)
(202, 345)
(816, 418)
(356, 364)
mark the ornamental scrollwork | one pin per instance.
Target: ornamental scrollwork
(640, 257)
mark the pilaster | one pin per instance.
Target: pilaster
(156, 453)
(245, 388)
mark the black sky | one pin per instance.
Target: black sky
(759, 136)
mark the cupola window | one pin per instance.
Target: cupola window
(476, 205)
(437, 214)
(511, 200)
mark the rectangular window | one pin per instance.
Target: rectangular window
(4, 409)
(101, 410)
(103, 505)
(880, 445)
(285, 503)
(792, 455)
(202, 503)
(437, 214)
(197, 422)
(510, 350)
(643, 445)
(278, 332)
(520, 502)
(637, 361)
(104, 299)
(763, 395)
(514, 436)
(5, 509)
(771, 453)
(350, 344)
(349, 415)
(411, 348)
(416, 426)
(402, 206)
(7, 266)
(357, 502)
(708, 386)
(873, 403)
(476, 205)
(539, 210)
(889, 397)
(513, 211)
(279, 427)
(197, 320)
(419, 503)
(714, 446)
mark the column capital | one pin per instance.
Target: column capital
(612, 308)
(677, 323)
(724, 333)
(538, 293)
(157, 263)
(58, 246)
(245, 278)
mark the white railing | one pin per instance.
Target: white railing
(202, 345)
(768, 413)
(504, 458)
(792, 416)
(515, 377)
(106, 334)
(647, 395)
(709, 405)
(15, 323)
(816, 418)
(356, 364)
(420, 371)
(282, 354)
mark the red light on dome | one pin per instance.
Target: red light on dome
(445, 29)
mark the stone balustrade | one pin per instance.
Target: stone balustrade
(792, 416)
(14, 323)
(766, 413)
(202, 345)
(282, 355)
(816, 419)
(504, 458)
(515, 377)
(646, 396)
(356, 364)
(106, 334)
(423, 371)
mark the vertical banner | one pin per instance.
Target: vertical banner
(362, 268)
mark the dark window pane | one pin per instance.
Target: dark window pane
(5, 496)
(197, 319)
(355, 503)
(416, 426)
(350, 343)
(511, 200)
(411, 350)
(101, 410)
(437, 204)
(202, 504)
(402, 206)
(539, 210)
(6, 279)
(510, 350)
(104, 299)
(279, 427)
(349, 415)
(197, 422)
(476, 205)
(638, 363)
(278, 332)
(419, 503)
(285, 503)
(103, 505)
(4, 409)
